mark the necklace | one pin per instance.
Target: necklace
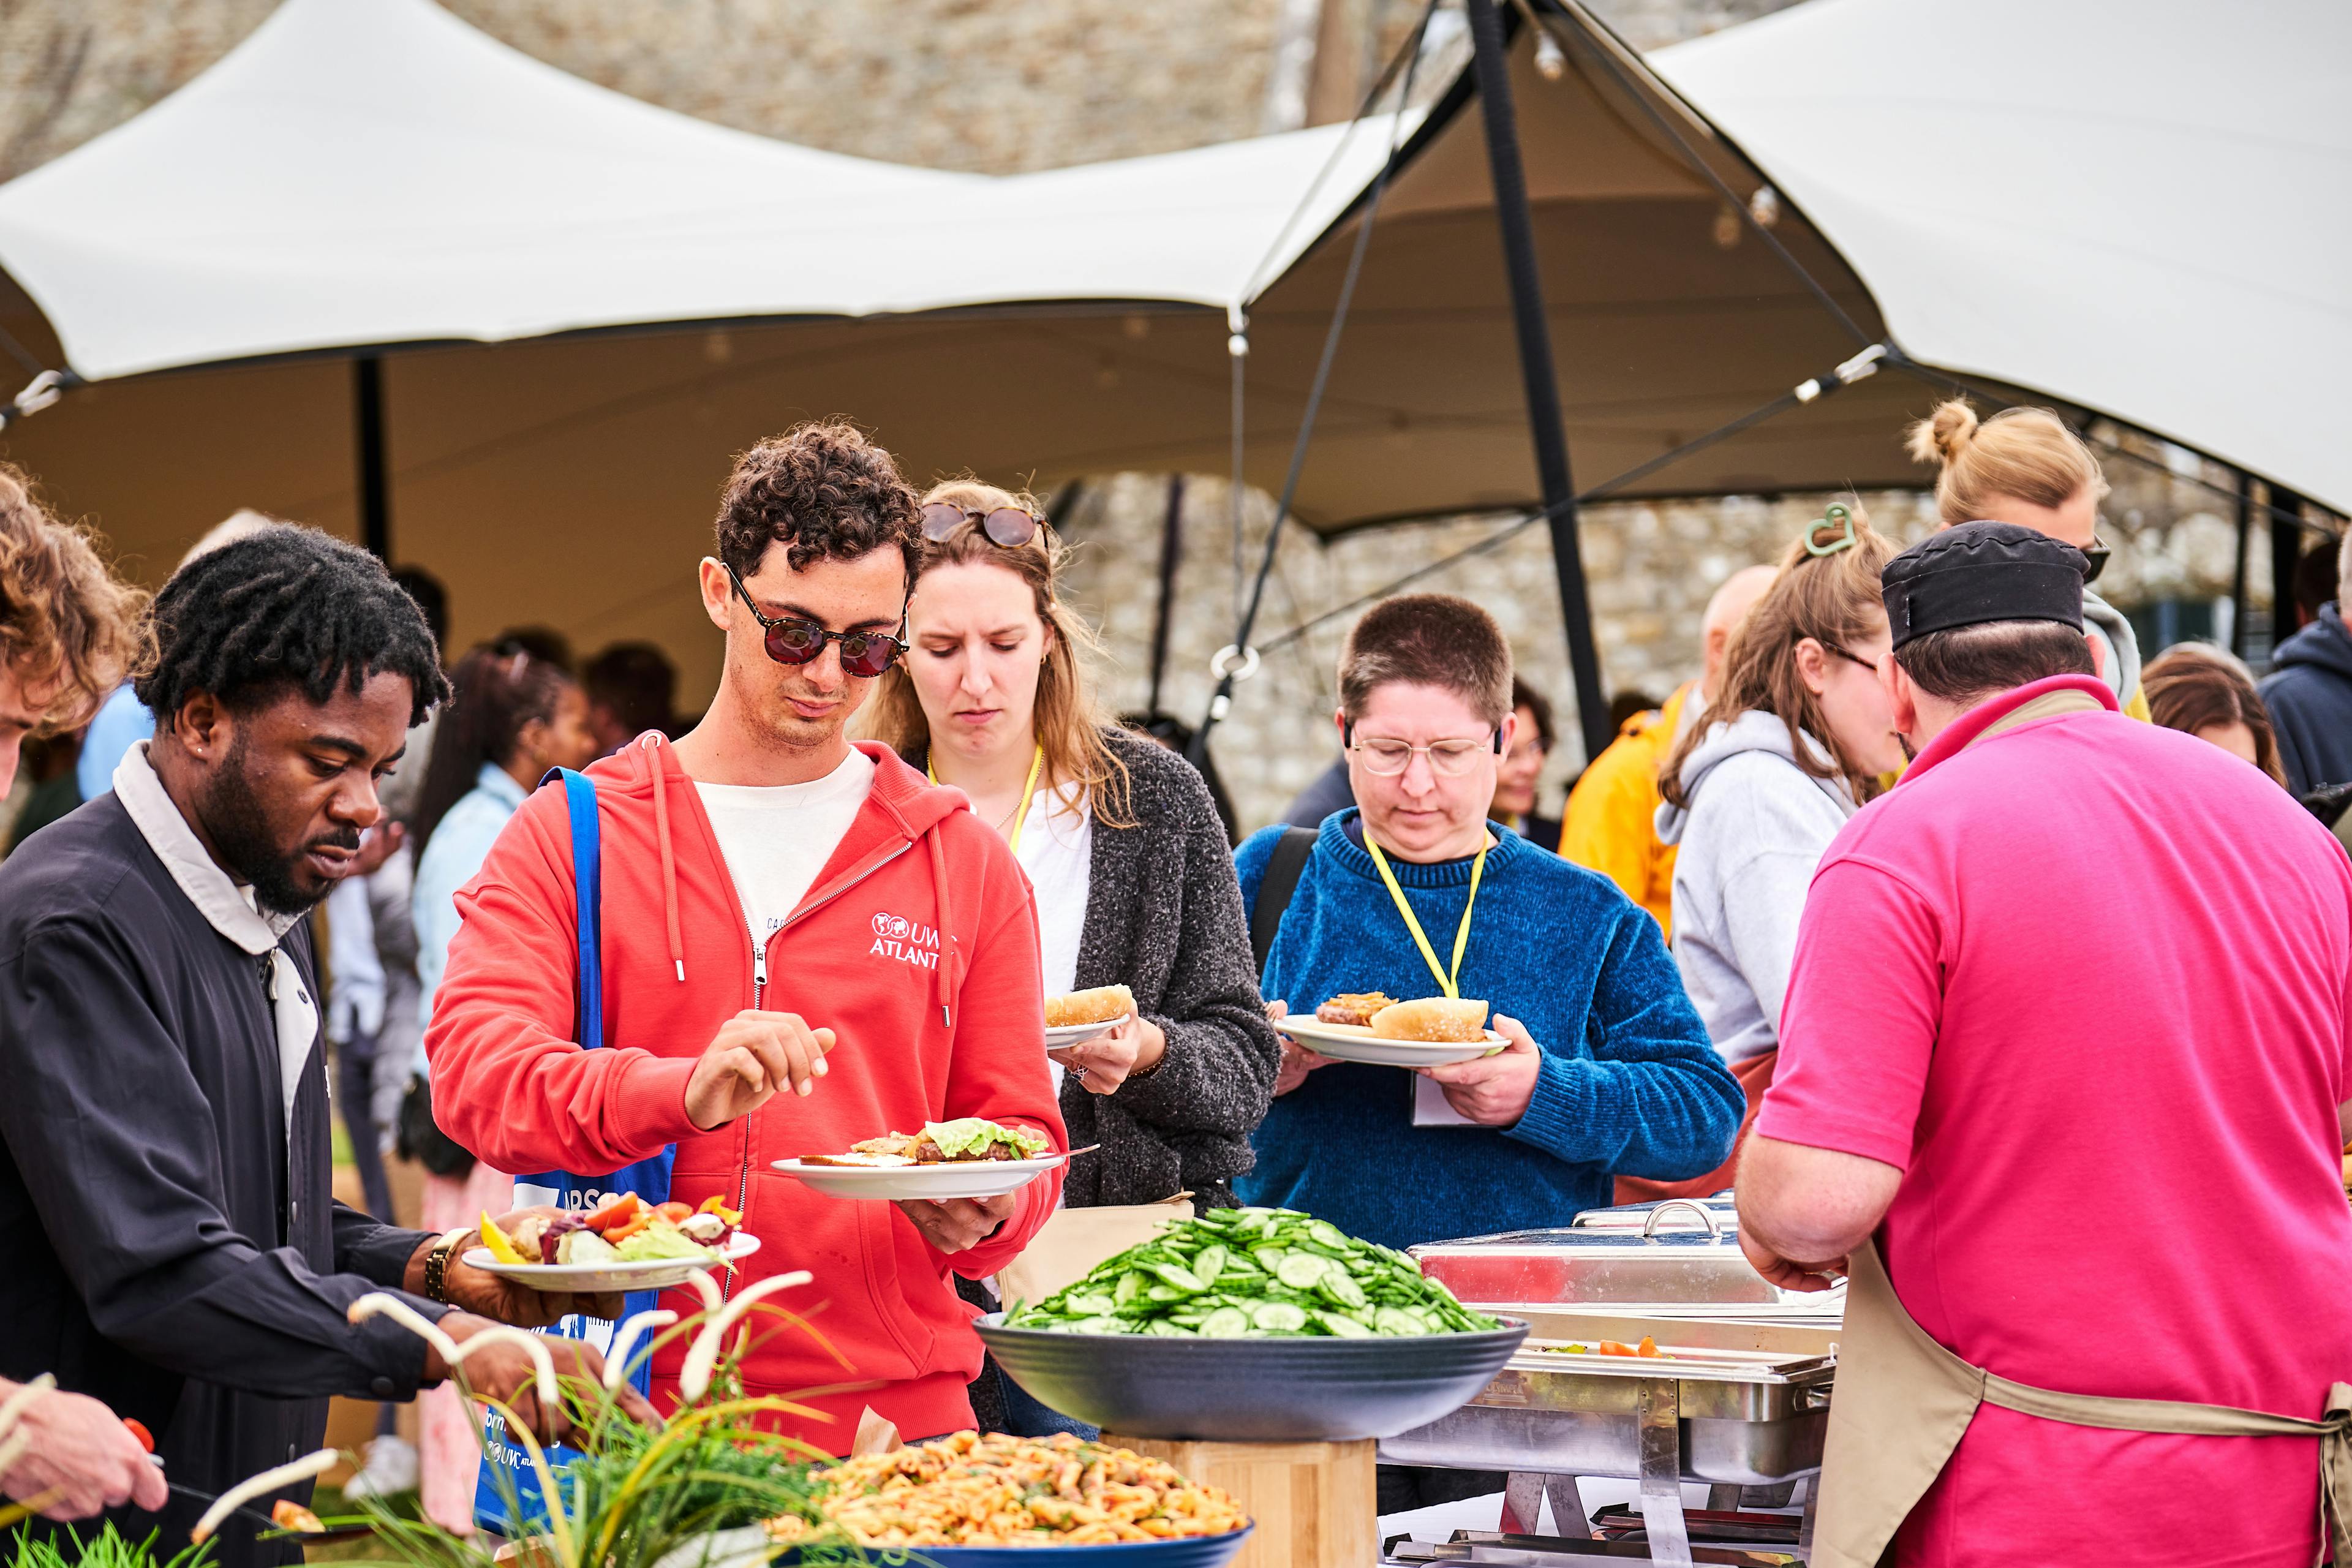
(1020, 806)
(1451, 982)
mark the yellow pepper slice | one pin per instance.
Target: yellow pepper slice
(496, 1240)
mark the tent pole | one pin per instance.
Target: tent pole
(1491, 69)
(375, 479)
(1171, 548)
(2286, 549)
(2238, 568)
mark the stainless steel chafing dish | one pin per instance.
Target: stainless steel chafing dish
(1710, 1214)
(1734, 1404)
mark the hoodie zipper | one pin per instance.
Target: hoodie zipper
(758, 1002)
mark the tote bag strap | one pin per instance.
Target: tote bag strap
(588, 885)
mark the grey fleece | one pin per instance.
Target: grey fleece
(1749, 838)
(2108, 624)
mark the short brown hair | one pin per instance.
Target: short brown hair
(1427, 639)
(64, 617)
(1969, 664)
(823, 491)
(2195, 686)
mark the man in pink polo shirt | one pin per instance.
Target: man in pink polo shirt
(2063, 1084)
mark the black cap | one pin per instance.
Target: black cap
(1982, 572)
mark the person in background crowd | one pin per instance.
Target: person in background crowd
(1610, 823)
(1515, 780)
(2208, 692)
(177, 1251)
(2027, 466)
(2309, 693)
(1414, 893)
(402, 786)
(542, 643)
(69, 630)
(1130, 863)
(1794, 742)
(1329, 792)
(511, 718)
(804, 944)
(122, 721)
(2315, 573)
(1624, 707)
(1972, 1067)
(45, 767)
(631, 687)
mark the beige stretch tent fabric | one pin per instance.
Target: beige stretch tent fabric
(2146, 210)
(318, 191)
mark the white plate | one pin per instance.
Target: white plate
(589, 1279)
(1354, 1043)
(1060, 1035)
(947, 1179)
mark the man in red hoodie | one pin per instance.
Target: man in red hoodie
(803, 944)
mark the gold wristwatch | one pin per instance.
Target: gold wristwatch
(437, 1263)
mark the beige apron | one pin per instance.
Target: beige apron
(1904, 1401)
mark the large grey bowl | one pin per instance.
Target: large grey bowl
(1245, 1390)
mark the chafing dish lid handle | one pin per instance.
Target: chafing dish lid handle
(1706, 1216)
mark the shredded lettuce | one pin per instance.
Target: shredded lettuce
(971, 1135)
(658, 1240)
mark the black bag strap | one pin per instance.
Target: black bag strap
(1283, 869)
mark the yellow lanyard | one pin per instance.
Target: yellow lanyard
(1451, 982)
(1029, 793)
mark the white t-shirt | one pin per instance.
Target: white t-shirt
(775, 839)
(1057, 848)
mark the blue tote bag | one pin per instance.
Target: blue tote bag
(506, 1467)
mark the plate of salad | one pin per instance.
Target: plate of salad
(625, 1243)
(967, 1158)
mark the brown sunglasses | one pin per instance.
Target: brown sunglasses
(1007, 527)
(792, 640)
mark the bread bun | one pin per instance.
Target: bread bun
(1103, 1004)
(1432, 1019)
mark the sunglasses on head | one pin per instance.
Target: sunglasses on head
(1007, 527)
(794, 640)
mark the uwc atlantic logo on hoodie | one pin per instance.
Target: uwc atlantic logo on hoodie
(908, 941)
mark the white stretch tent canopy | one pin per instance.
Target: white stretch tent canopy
(375, 171)
(2142, 210)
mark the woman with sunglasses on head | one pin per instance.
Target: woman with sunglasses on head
(2026, 466)
(1794, 742)
(1118, 836)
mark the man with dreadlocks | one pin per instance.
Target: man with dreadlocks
(172, 1246)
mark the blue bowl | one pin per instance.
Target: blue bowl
(1194, 1552)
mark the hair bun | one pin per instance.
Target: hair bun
(1945, 434)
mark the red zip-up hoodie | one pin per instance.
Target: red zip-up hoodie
(917, 945)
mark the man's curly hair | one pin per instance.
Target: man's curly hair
(286, 608)
(68, 628)
(823, 491)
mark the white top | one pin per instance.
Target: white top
(775, 839)
(1057, 847)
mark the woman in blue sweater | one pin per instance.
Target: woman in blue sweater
(1609, 1070)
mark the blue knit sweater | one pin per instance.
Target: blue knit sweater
(1629, 1083)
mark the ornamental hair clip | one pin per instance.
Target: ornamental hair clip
(1838, 519)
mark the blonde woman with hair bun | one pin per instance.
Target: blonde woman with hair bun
(2028, 466)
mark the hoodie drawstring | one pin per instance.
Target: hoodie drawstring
(942, 983)
(652, 745)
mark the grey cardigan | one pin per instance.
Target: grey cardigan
(1164, 919)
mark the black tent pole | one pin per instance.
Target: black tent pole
(2286, 549)
(2238, 568)
(1172, 550)
(375, 479)
(1492, 69)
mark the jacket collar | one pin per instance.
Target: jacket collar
(1970, 726)
(225, 905)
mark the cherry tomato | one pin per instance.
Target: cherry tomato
(138, 1431)
(674, 1211)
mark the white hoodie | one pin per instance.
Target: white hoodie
(1754, 830)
